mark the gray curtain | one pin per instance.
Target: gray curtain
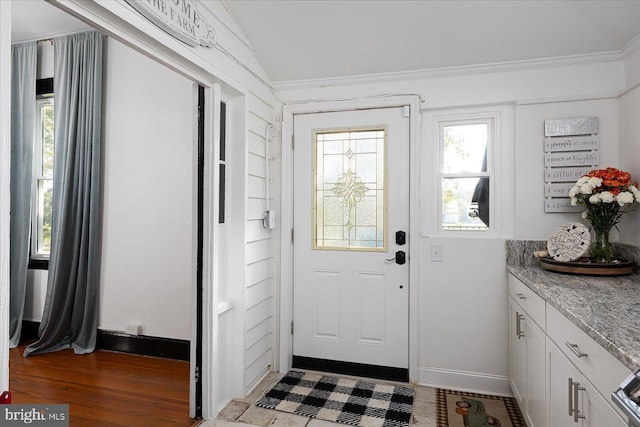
(70, 316)
(23, 110)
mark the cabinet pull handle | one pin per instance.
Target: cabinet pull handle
(570, 393)
(574, 349)
(519, 319)
(521, 296)
(576, 411)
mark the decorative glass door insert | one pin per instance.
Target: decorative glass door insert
(349, 194)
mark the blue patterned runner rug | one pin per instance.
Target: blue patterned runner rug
(347, 401)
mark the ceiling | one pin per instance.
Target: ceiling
(35, 19)
(322, 39)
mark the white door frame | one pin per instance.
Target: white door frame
(5, 167)
(120, 21)
(285, 292)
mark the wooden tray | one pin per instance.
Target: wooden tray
(588, 268)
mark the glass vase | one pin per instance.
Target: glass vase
(601, 248)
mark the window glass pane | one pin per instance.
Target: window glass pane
(349, 203)
(465, 147)
(45, 198)
(47, 139)
(465, 203)
(223, 131)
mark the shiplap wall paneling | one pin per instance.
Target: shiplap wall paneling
(260, 248)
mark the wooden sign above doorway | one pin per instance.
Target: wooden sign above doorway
(179, 18)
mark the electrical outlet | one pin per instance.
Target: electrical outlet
(437, 252)
(133, 328)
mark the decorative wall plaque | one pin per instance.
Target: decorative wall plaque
(573, 158)
(569, 127)
(572, 143)
(565, 174)
(571, 150)
(180, 18)
(569, 242)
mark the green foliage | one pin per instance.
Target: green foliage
(47, 139)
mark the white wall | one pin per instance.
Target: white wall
(147, 196)
(147, 268)
(531, 220)
(462, 319)
(630, 138)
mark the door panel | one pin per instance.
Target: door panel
(351, 196)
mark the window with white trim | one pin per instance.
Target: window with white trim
(466, 174)
(43, 179)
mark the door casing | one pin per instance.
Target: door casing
(284, 310)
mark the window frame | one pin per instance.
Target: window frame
(492, 120)
(44, 96)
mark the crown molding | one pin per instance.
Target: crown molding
(631, 47)
(452, 71)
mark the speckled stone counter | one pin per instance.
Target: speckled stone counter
(606, 308)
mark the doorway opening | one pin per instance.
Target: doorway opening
(152, 208)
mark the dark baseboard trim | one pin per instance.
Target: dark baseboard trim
(168, 348)
(350, 368)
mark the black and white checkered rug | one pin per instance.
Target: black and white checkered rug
(326, 397)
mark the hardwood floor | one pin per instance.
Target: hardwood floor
(104, 388)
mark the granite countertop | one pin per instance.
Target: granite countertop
(606, 308)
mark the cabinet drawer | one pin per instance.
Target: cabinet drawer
(603, 370)
(530, 302)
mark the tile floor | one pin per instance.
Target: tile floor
(242, 412)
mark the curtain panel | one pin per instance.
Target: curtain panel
(71, 309)
(23, 110)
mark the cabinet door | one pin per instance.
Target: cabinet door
(536, 405)
(561, 377)
(600, 412)
(517, 354)
(564, 382)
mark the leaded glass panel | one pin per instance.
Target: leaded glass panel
(349, 202)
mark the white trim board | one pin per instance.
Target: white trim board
(465, 381)
(5, 167)
(284, 349)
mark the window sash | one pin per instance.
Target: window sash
(40, 184)
(489, 173)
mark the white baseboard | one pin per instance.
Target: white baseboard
(464, 381)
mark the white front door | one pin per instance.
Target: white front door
(351, 198)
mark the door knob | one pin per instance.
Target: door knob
(400, 258)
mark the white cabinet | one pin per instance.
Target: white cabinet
(527, 354)
(559, 375)
(571, 398)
